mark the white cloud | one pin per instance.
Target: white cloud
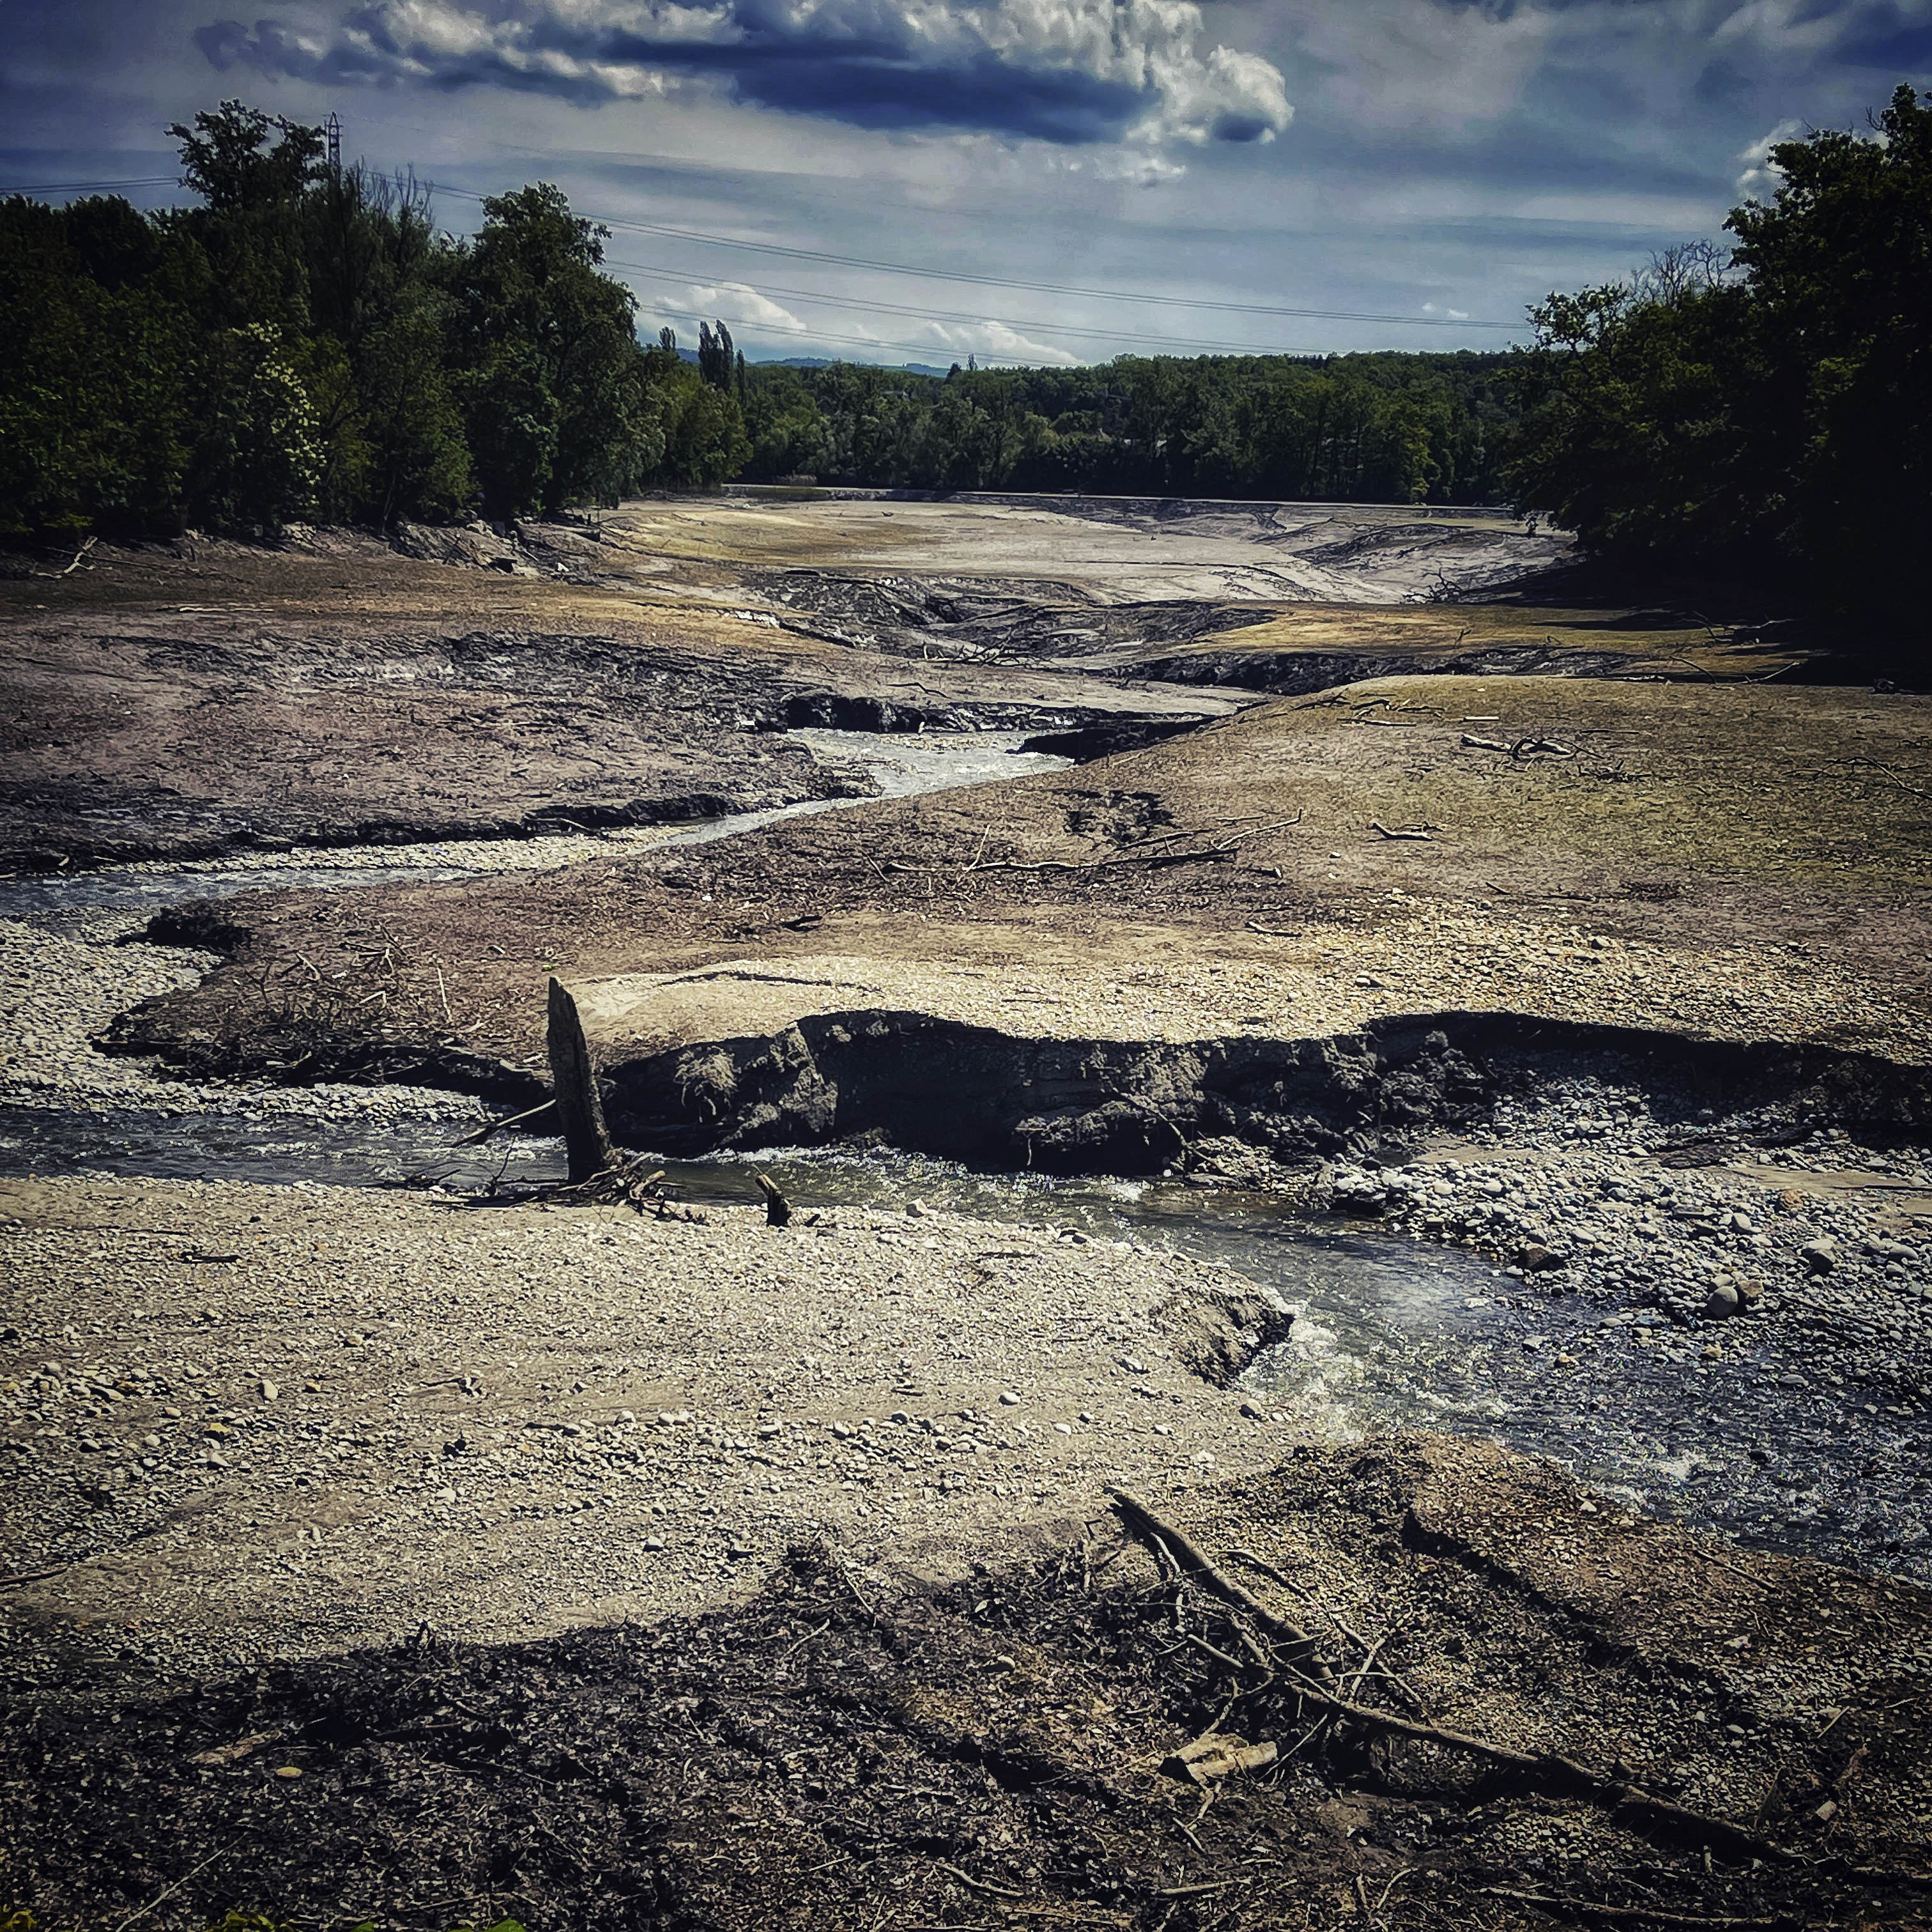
(741, 306)
(1075, 72)
(992, 338)
(1760, 178)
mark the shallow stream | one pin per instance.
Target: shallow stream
(903, 764)
(1389, 1333)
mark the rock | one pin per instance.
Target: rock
(1820, 1256)
(1008, 1399)
(1535, 1258)
(1353, 1190)
(1722, 1303)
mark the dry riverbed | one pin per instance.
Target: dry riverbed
(255, 1422)
(714, 1575)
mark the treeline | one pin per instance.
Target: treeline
(307, 345)
(1389, 428)
(1765, 417)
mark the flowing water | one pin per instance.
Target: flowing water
(1388, 1334)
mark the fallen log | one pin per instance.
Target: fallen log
(1145, 1523)
(1614, 1795)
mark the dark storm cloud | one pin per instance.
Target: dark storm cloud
(1067, 71)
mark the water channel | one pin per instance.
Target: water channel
(1388, 1332)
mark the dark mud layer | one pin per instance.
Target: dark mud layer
(989, 617)
(174, 739)
(991, 1099)
(1741, 1742)
(1292, 673)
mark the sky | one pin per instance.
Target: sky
(1022, 181)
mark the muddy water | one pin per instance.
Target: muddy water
(1388, 1334)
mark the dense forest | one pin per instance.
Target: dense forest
(1766, 417)
(1386, 428)
(307, 344)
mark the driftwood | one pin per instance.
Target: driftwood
(777, 1209)
(586, 1141)
(1222, 849)
(1143, 1521)
(1613, 1794)
(74, 566)
(483, 1133)
(1582, 1908)
(1427, 837)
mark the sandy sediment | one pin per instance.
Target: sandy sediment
(260, 1421)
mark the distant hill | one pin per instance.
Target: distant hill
(828, 361)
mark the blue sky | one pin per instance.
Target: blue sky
(897, 180)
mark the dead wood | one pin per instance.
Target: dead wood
(777, 1209)
(483, 1133)
(1584, 1908)
(1473, 743)
(1223, 850)
(977, 1884)
(1614, 1794)
(74, 566)
(586, 1140)
(1376, 825)
(1143, 1521)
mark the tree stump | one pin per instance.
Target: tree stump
(777, 1209)
(586, 1140)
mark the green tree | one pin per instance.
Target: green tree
(1768, 417)
(556, 390)
(258, 461)
(1839, 266)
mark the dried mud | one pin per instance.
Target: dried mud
(1329, 925)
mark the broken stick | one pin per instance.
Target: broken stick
(777, 1209)
(483, 1132)
(1145, 1524)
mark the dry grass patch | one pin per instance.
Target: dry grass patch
(1673, 645)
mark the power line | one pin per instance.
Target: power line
(953, 315)
(72, 187)
(1003, 281)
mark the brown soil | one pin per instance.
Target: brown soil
(336, 699)
(877, 1738)
(854, 1748)
(1808, 922)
